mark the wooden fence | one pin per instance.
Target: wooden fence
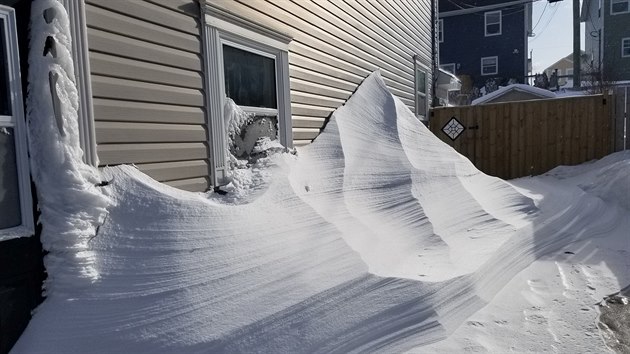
(517, 139)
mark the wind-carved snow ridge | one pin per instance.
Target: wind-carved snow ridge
(375, 238)
(71, 206)
(408, 204)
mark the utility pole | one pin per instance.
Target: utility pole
(577, 53)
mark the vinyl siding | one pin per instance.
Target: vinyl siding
(147, 86)
(147, 81)
(336, 44)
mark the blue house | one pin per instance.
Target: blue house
(482, 40)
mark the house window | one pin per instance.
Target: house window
(625, 47)
(569, 72)
(619, 7)
(441, 31)
(489, 65)
(421, 88)
(493, 23)
(15, 196)
(450, 67)
(250, 78)
(248, 64)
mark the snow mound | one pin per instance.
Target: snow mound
(410, 205)
(375, 238)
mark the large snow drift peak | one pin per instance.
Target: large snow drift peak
(408, 203)
(70, 204)
(375, 238)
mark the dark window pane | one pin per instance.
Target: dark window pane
(11, 215)
(493, 29)
(422, 105)
(421, 79)
(619, 6)
(5, 103)
(250, 79)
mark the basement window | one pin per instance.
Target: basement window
(247, 63)
(619, 7)
(493, 23)
(489, 65)
(625, 47)
(15, 196)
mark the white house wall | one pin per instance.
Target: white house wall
(338, 43)
(147, 89)
(147, 80)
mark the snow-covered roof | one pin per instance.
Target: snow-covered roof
(542, 93)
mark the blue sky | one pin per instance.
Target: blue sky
(553, 34)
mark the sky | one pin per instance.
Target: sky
(553, 29)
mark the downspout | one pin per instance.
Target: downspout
(435, 55)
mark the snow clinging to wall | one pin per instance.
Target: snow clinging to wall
(71, 204)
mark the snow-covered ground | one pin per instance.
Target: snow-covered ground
(375, 238)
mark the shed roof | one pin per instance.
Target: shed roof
(535, 92)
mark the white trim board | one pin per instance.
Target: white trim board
(81, 61)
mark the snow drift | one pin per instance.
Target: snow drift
(330, 257)
(377, 237)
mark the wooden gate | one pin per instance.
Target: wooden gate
(516, 139)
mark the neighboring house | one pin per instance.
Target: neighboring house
(514, 92)
(485, 39)
(152, 80)
(607, 37)
(565, 67)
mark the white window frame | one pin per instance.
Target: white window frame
(447, 67)
(441, 31)
(568, 71)
(625, 43)
(17, 123)
(496, 71)
(612, 2)
(221, 28)
(486, 24)
(418, 66)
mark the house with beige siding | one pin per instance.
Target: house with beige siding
(153, 77)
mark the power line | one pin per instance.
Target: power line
(540, 18)
(548, 22)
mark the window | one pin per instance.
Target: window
(15, 196)
(493, 23)
(450, 67)
(489, 65)
(619, 7)
(569, 72)
(441, 31)
(422, 104)
(625, 47)
(250, 78)
(249, 64)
